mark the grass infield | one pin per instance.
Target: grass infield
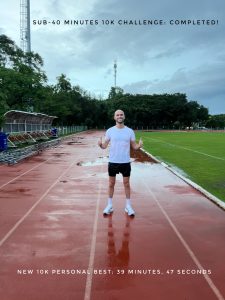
(200, 155)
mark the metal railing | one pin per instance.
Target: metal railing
(64, 130)
(13, 156)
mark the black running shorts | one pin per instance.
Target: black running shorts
(114, 168)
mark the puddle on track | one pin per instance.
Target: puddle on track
(76, 140)
(136, 156)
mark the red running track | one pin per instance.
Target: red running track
(55, 243)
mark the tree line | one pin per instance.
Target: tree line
(24, 86)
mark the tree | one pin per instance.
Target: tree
(216, 121)
(115, 93)
(24, 85)
(20, 74)
(63, 84)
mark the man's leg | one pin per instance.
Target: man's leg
(128, 208)
(112, 181)
(109, 209)
(126, 183)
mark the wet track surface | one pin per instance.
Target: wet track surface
(55, 242)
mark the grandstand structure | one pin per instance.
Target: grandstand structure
(29, 133)
(23, 122)
(27, 127)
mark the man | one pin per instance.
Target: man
(121, 138)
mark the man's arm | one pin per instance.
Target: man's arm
(103, 145)
(135, 145)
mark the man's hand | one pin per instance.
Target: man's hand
(100, 142)
(135, 145)
(140, 143)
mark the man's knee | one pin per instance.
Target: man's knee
(126, 183)
(112, 183)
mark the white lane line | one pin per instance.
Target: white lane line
(10, 232)
(87, 294)
(195, 151)
(186, 246)
(24, 173)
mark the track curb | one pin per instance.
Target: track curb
(208, 195)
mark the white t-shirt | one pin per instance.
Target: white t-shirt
(120, 139)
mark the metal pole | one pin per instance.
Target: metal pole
(115, 70)
(28, 27)
(25, 36)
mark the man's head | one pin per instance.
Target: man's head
(119, 116)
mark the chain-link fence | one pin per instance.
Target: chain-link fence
(65, 130)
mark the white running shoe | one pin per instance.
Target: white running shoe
(108, 210)
(129, 210)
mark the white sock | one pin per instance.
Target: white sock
(128, 202)
(110, 201)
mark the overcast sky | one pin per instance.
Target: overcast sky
(160, 58)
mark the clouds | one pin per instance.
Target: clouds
(151, 58)
(203, 84)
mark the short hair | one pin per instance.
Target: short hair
(118, 110)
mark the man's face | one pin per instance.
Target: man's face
(119, 116)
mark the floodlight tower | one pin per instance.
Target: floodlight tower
(115, 73)
(25, 41)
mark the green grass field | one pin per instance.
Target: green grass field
(201, 155)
